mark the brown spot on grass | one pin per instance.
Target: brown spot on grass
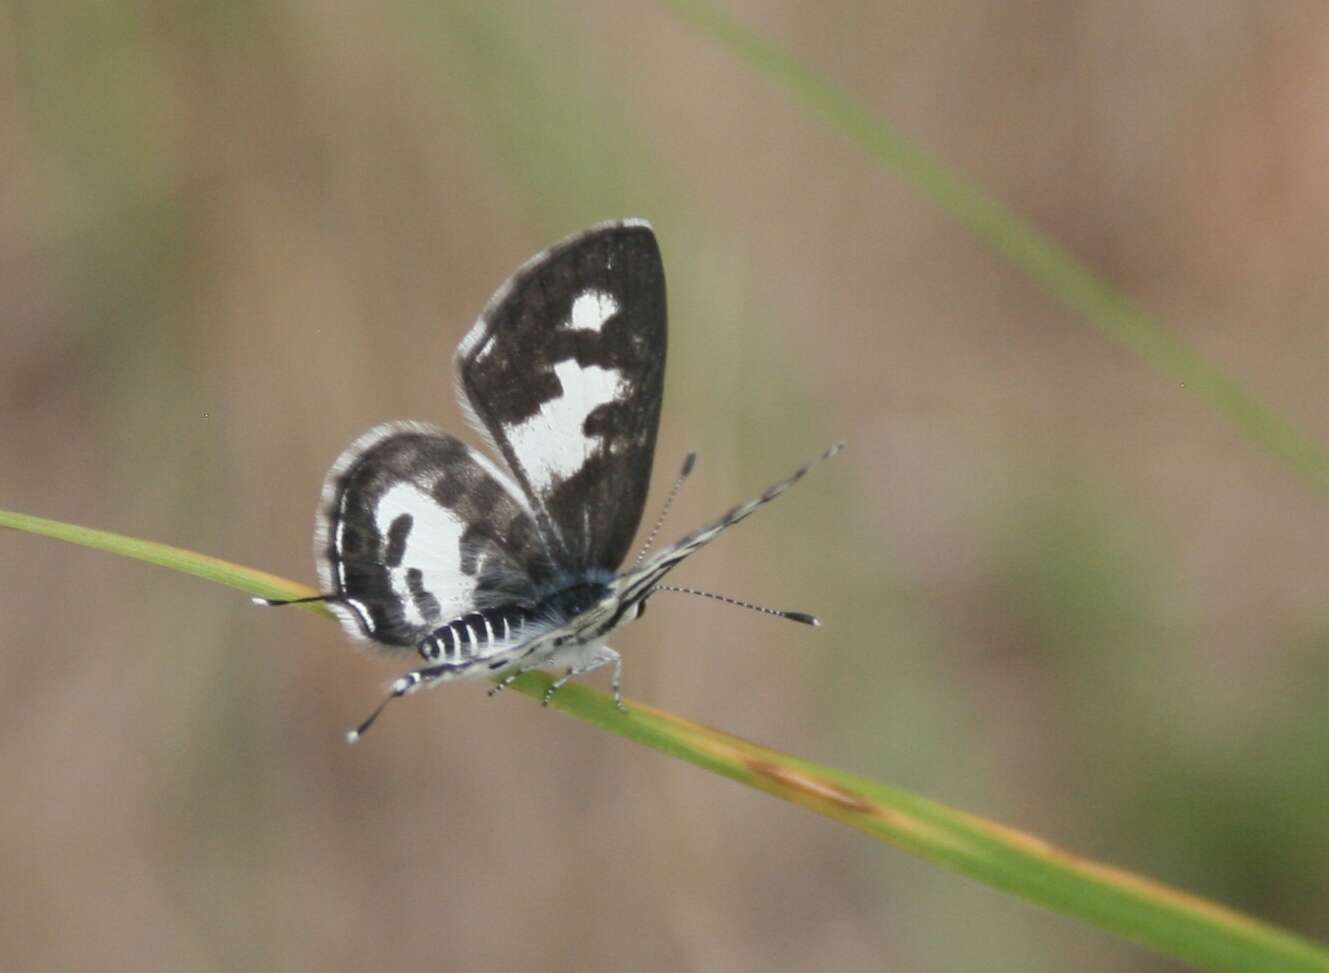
(811, 786)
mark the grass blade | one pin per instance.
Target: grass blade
(1019, 241)
(164, 555)
(1174, 923)
(1171, 922)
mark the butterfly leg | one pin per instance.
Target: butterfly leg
(616, 682)
(603, 656)
(520, 666)
(509, 679)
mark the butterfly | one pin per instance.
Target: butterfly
(486, 569)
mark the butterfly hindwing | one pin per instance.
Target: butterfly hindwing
(416, 529)
(565, 373)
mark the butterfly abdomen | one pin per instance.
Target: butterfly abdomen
(488, 632)
(479, 634)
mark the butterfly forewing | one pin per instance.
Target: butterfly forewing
(565, 373)
(417, 529)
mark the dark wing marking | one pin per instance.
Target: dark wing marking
(417, 529)
(564, 371)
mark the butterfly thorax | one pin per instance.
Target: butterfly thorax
(567, 602)
(588, 610)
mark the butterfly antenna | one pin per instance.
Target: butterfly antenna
(802, 617)
(688, 463)
(279, 602)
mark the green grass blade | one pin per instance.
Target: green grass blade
(177, 559)
(1174, 923)
(1019, 241)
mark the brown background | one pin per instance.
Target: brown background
(1058, 590)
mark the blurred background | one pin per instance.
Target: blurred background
(1057, 589)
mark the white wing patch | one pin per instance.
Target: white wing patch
(553, 437)
(357, 606)
(551, 441)
(432, 547)
(591, 310)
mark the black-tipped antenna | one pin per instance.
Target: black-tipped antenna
(279, 602)
(688, 463)
(802, 617)
(399, 689)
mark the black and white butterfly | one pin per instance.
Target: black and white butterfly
(424, 543)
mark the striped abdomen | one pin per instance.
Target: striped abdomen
(478, 634)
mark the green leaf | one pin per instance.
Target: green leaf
(1174, 923)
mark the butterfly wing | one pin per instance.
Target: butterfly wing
(564, 371)
(417, 529)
